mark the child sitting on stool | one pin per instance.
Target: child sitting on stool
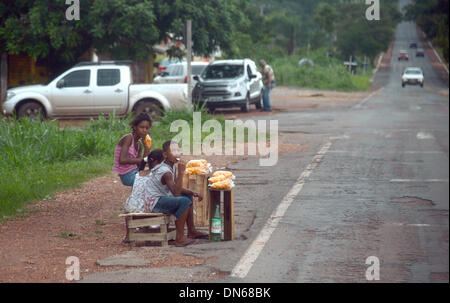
(169, 197)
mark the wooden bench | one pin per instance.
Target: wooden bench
(146, 223)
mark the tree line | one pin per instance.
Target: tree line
(127, 29)
(432, 17)
(339, 27)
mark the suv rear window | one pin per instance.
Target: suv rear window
(223, 71)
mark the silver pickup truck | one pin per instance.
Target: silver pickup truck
(92, 89)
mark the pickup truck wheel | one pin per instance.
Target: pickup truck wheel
(31, 110)
(150, 108)
(246, 107)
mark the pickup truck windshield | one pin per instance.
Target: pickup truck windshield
(223, 71)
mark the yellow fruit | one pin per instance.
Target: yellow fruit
(227, 174)
(225, 184)
(148, 141)
(217, 179)
(196, 163)
(195, 171)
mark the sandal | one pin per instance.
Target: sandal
(201, 235)
(193, 241)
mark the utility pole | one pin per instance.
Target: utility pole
(3, 77)
(350, 65)
(365, 64)
(189, 56)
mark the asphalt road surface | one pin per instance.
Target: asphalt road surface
(374, 183)
(376, 186)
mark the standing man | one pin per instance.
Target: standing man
(269, 84)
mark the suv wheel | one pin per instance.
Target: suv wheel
(31, 110)
(246, 107)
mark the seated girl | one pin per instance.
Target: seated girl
(169, 197)
(128, 153)
(140, 200)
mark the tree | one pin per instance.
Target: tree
(357, 36)
(39, 29)
(432, 17)
(126, 29)
(325, 17)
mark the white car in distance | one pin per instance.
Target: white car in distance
(413, 76)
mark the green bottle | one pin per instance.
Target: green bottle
(216, 226)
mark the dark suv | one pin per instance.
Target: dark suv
(420, 52)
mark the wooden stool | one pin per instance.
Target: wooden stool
(228, 211)
(145, 221)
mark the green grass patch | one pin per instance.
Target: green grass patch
(327, 74)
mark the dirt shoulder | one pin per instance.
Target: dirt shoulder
(286, 99)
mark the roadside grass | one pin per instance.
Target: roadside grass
(327, 74)
(40, 158)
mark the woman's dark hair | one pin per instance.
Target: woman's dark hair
(139, 118)
(155, 155)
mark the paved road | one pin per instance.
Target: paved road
(373, 183)
(380, 189)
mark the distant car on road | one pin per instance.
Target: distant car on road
(177, 73)
(420, 52)
(413, 76)
(403, 55)
(413, 44)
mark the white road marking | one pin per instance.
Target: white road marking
(340, 137)
(417, 180)
(246, 262)
(424, 135)
(415, 225)
(413, 152)
(423, 152)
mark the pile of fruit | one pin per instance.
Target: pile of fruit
(221, 180)
(198, 167)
